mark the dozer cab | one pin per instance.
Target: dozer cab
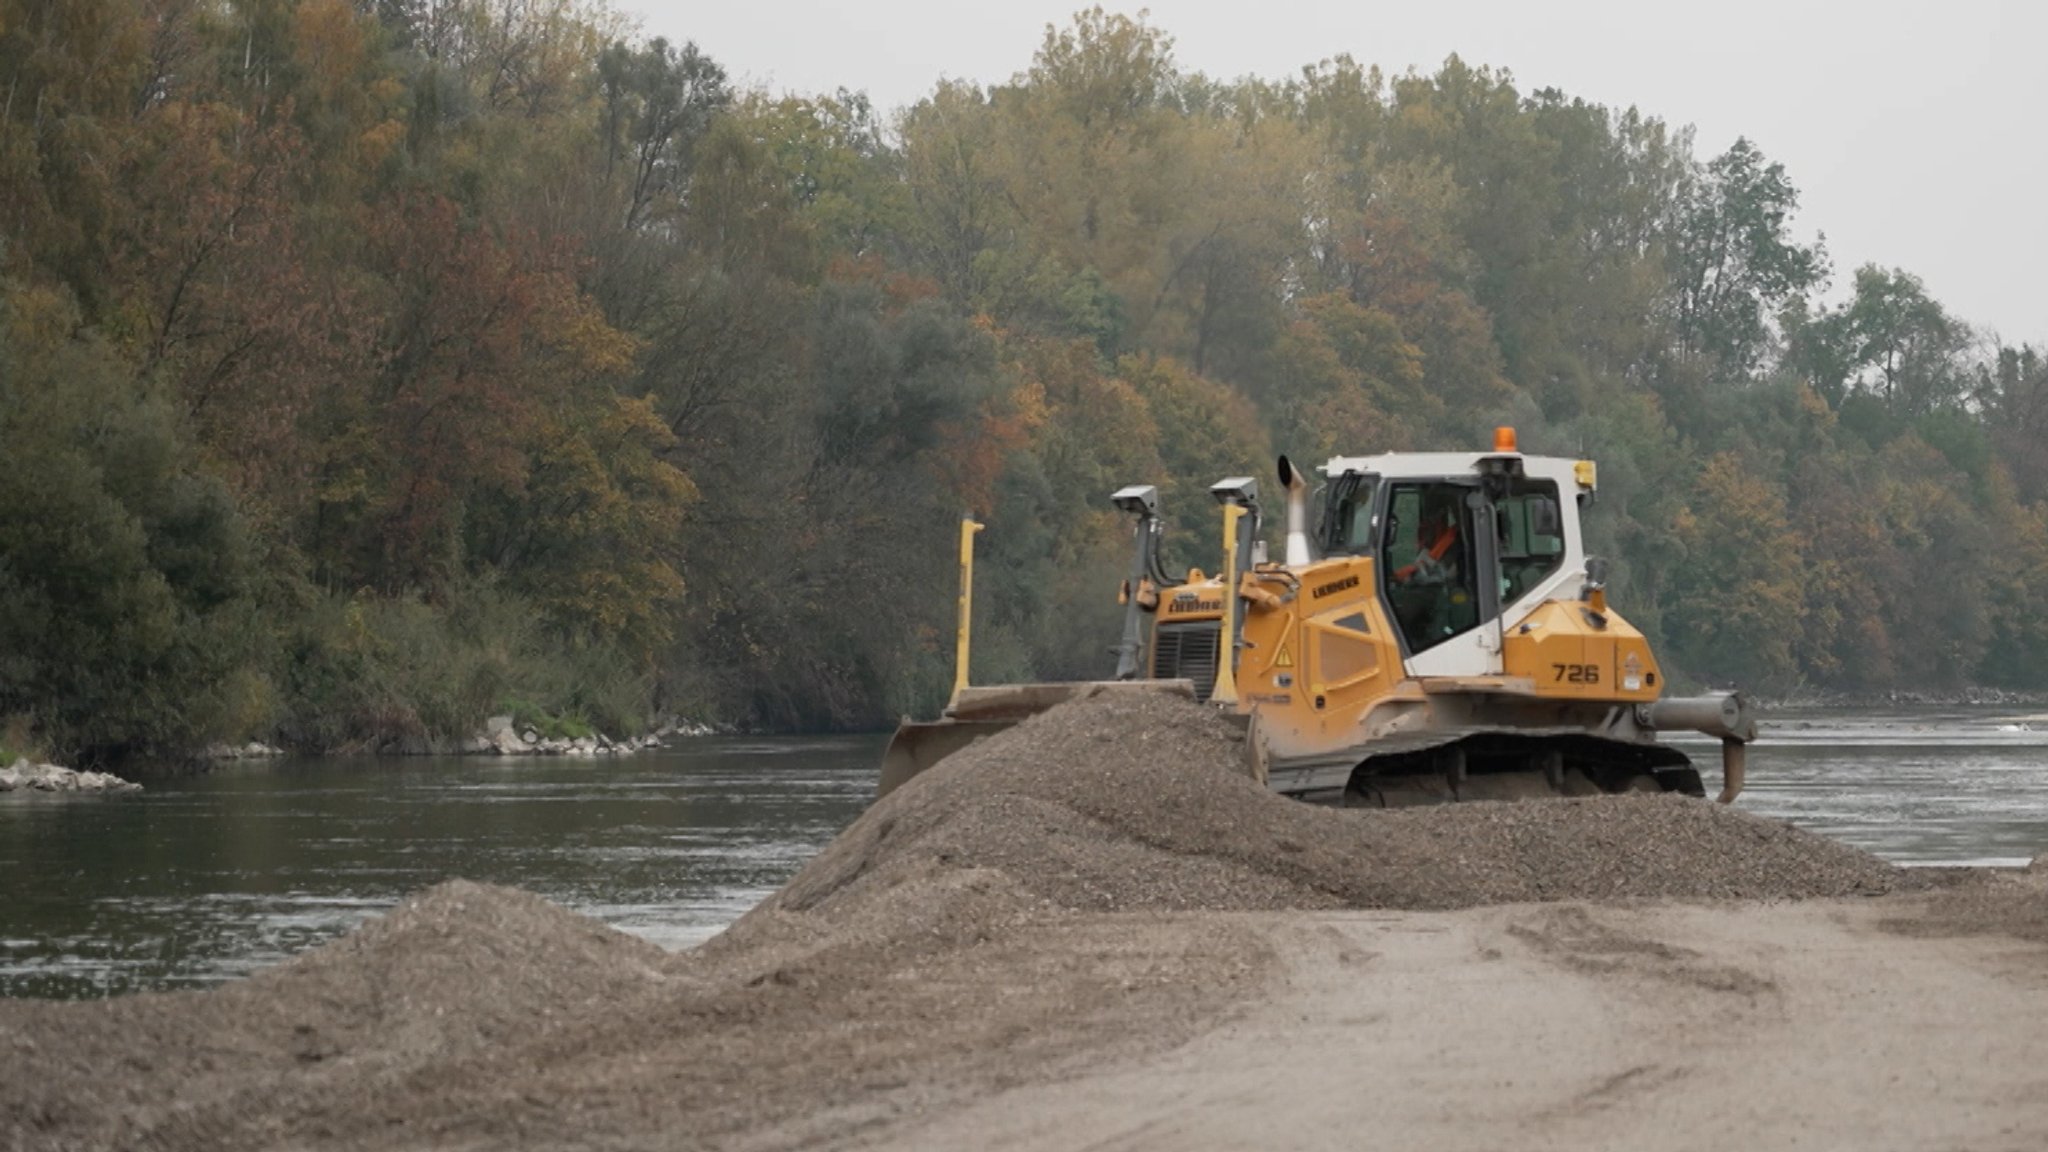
(1436, 634)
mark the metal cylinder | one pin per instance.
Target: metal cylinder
(1734, 758)
(1723, 714)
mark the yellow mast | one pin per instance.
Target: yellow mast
(968, 528)
(1226, 645)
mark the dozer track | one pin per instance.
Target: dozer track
(1518, 766)
(1452, 763)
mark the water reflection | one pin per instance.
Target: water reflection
(201, 880)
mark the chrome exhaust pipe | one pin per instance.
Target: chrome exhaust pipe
(1297, 550)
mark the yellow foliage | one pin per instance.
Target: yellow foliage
(329, 44)
(377, 143)
(39, 316)
(614, 509)
(1737, 599)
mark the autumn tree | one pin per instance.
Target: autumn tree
(2015, 391)
(962, 218)
(1734, 604)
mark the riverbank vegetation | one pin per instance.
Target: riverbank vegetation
(366, 367)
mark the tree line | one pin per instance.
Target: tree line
(368, 367)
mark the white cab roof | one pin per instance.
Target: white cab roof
(1426, 465)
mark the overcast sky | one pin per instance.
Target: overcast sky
(1916, 130)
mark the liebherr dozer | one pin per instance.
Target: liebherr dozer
(1437, 633)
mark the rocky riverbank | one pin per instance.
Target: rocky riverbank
(26, 776)
(503, 737)
(1975, 696)
(253, 750)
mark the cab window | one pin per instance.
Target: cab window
(1531, 537)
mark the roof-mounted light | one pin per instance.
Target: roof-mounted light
(1504, 439)
(1242, 491)
(1138, 500)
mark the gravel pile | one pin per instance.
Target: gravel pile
(1138, 801)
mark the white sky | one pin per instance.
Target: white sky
(1916, 130)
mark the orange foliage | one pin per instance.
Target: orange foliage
(483, 334)
(900, 289)
(970, 457)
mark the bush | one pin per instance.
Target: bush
(366, 671)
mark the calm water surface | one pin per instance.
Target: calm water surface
(202, 879)
(1955, 786)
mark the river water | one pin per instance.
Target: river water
(202, 879)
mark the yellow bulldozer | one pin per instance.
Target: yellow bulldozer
(1433, 631)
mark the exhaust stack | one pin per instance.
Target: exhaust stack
(1296, 484)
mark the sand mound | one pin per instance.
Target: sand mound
(1983, 902)
(458, 969)
(1130, 801)
(461, 964)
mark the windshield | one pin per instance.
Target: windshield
(1346, 528)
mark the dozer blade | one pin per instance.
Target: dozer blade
(984, 711)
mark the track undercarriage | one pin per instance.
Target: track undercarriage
(1515, 766)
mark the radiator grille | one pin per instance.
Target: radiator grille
(1187, 652)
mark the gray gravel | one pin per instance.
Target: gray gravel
(1138, 801)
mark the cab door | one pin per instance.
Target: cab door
(1431, 560)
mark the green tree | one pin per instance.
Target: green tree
(1907, 340)
(125, 572)
(1734, 262)
(657, 103)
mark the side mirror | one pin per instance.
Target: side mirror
(1595, 591)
